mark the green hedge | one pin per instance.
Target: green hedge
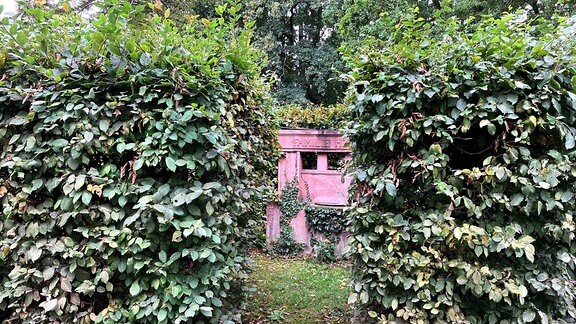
(312, 116)
(464, 172)
(134, 156)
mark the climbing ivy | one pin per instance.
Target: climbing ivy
(323, 250)
(290, 206)
(328, 221)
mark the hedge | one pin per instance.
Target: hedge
(134, 156)
(464, 172)
(312, 116)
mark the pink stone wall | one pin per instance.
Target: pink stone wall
(320, 186)
(272, 222)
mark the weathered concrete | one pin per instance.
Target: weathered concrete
(272, 222)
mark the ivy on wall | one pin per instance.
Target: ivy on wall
(290, 206)
(328, 221)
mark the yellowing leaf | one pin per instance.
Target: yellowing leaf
(158, 5)
(167, 13)
(94, 189)
(66, 6)
(205, 22)
(533, 120)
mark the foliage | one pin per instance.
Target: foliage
(359, 18)
(463, 172)
(277, 315)
(298, 36)
(290, 206)
(301, 43)
(303, 291)
(134, 155)
(323, 250)
(290, 202)
(312, 116)
(328, 221)
(285, 244)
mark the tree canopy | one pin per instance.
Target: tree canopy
(302, 37)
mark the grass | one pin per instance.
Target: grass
(297, 291)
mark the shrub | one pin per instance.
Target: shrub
(312, 116)
(464, 172)
(134, 155)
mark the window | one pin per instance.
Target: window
(336, 161)
(309, 160)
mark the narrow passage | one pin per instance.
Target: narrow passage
(297, 291)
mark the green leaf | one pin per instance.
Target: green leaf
(171, 164)
(65, 285)
(162, 314)
(138, 165)
(104, 125)
(478, 250)
(162, 256)
(86, 198)
(36, 184)
(50, 305)
(122, 200)
(529, 251)
(569, 141)
(179, 199)
(59, 143)
(162, 191)
(528, 316)
(48, 273)
(391, 189)
(461, 104)
(353, 298)
(516, 199)
(34, 253)
(121, 147)
(209, 208)
(134, 288)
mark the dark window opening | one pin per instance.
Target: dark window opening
(336, 161)
(309, 160)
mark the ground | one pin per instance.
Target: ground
(297, 291)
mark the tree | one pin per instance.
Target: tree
(301, 41)
(360, 19)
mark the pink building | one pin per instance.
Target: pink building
(316, 159)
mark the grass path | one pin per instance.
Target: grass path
(297, 291)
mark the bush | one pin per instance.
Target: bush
(323, 250)
(134, 155)
(464, 173)
(312, 116)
